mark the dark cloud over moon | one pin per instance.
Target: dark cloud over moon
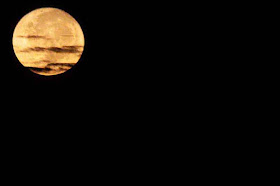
(33, 37)
(64, 49)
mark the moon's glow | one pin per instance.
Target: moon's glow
(48, 41)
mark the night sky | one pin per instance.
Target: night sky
(106, 100)
(111, 83)
(108, 63)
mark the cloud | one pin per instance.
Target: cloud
(35, 49)
(53, 67)
(38, 70)
(64, 49)
(61, 65)
(33, 37)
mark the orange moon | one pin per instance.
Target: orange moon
(48, 41)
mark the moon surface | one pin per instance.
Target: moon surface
(48, 41)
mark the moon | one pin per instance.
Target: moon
(48, 41)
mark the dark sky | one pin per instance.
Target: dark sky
(112, 75)
(107, 96)
(108, 59)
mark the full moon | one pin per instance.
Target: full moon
(48, 41)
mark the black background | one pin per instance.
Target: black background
(109, 33)
(111, 83)
(105, 109)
